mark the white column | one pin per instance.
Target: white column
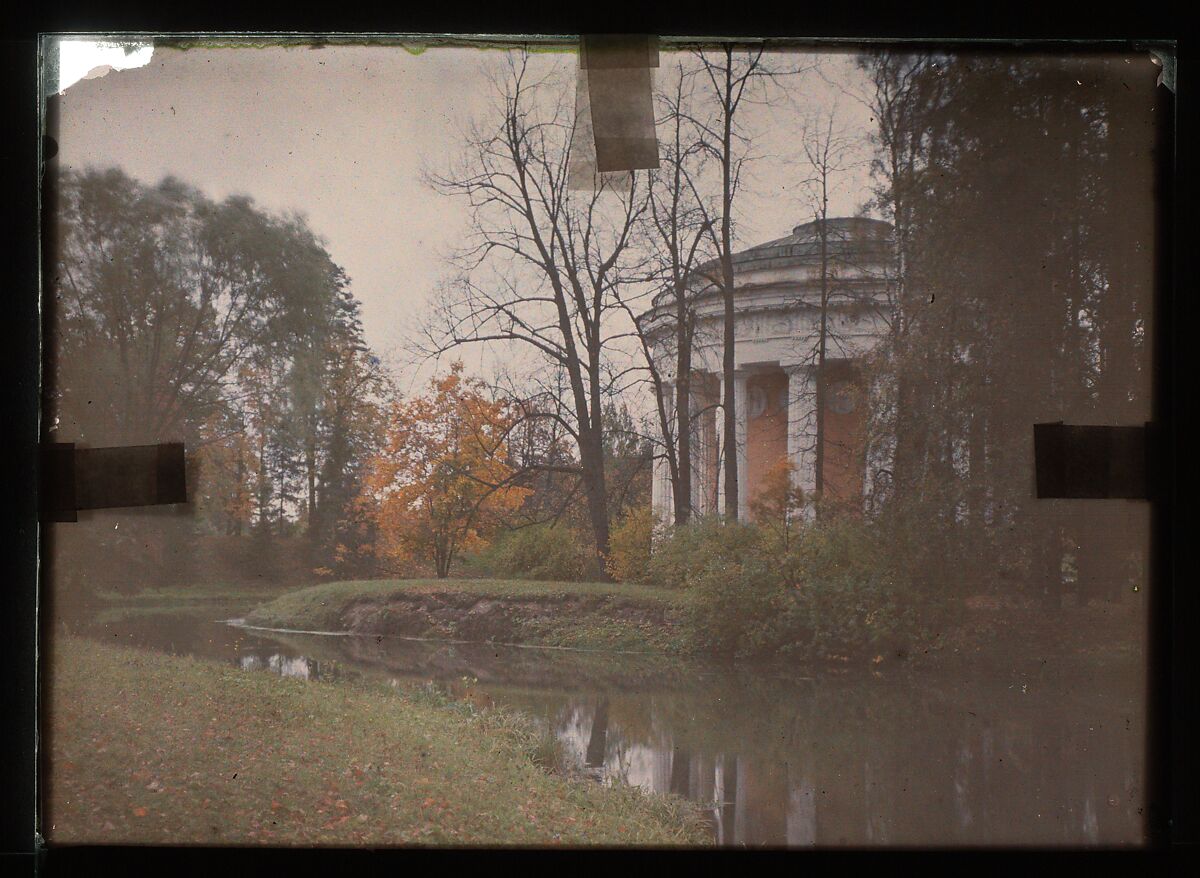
(706, 449)
(720, 438)
(660, 490)
(742, 409)
(802, 426)
(715, 490)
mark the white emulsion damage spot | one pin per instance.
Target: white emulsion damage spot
(90, 59)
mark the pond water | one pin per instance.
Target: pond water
(856, 758)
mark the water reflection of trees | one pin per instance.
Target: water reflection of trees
(827, 767)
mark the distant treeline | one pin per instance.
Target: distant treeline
(174, 317)
(178, 318)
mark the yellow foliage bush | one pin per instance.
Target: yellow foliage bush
(631, 544)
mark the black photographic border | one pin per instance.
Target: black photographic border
(1171, 777)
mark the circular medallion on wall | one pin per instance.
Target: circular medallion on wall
(756, 402)
(841, 398)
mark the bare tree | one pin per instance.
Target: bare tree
(678, 225)
(731, 76)
(543, 260)
(829, 153)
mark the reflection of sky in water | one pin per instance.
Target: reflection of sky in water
(285, 666)
(644, 767)
(802, 816)
(573, 732)
(637, 764)
(290, 667)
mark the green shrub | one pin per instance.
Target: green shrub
(685, 553)
(543, 552)
(838, 593)
(854, 592)
(734, 610)
(630, 546)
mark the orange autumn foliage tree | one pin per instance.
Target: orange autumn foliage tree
(438, 485)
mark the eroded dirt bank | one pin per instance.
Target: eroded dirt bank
(599, 621)
(565, 620)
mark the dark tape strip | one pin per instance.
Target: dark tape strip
(57, 489)
(105, 478)
(620, 93)
(1091, 462)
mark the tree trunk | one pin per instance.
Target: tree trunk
(729, 409)
(910, 435)
(683, 422)
(598, 737)
(310, 465)
(264, 497)
(729, 360)
(241, 481)
(681, 771)
(819, 456)
(592, 461)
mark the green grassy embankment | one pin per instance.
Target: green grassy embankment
(149, 748)
(204, 600)
(608, 616)
(625, 617)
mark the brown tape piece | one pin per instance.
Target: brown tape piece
(1091, 462)
(582, 174)
(620, 88)
(617, 51)
(105, 478)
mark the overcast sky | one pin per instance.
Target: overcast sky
(340, 134)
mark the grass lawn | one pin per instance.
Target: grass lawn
(149, 748)
(207, 600)
(587, 615)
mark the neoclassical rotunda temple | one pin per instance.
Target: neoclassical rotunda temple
(778, 333)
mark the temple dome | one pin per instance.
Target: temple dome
(861, 243)
(859, 237)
